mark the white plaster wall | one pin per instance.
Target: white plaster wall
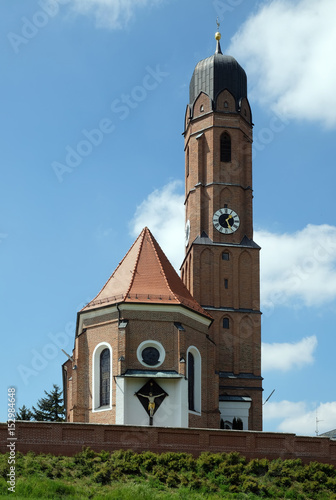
(238, 409)
(173, 412)
(120, 407)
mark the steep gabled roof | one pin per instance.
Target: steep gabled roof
(145, 276)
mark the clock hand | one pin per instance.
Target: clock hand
(230, 217)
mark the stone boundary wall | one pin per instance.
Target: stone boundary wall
(70, 438)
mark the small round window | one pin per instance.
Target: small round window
(150, 356)
(151, 353)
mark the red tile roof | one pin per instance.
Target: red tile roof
(145, 275)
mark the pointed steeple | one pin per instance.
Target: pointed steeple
(218, 36)
(145, 275)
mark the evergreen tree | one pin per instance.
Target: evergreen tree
(24, 413)
(237, 423)
(51, 407)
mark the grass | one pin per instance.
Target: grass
(124, 475)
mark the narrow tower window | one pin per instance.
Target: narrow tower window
(226, 323)
(187, 162)
(226, 284)
(105, 377)
(225, 148)
(225, 256)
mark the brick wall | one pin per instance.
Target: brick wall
(69, 438)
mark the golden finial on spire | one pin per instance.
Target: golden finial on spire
(218, 36)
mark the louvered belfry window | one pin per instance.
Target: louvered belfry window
(105, 377)
(225, 148)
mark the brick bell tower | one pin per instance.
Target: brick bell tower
(221, 265)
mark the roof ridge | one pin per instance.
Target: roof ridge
(188, 301)
(160, 263)
(142, 234)
(114, 272)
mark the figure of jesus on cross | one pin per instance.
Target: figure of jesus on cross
(151, 396)
(151, 401)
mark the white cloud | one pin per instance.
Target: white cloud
(298, 268)
(286, 356)
(112, 14)
(163, 213)
(296, 417)
(283, 409)
(287, 49)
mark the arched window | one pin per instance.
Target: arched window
(105, 377)
(226, 323)
(225, 148)
(102, 377)
(191, 382)
(194, 379)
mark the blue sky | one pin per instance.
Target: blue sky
(93, 96)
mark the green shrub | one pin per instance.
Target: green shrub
(234, 458)
(172, 480)
(234, 488)
(250, 485)
(176, 461)
(228, 470)
(275, 468)
(195, 483)
(127, 462)
(293, 494)
(104, 456)
(331, 484)
(4, 468)
(103, 476)
(258, 467)
(235, 478)
(160, 473)
(285, 481)
(207, 462)
(317, 467)
(310, 486)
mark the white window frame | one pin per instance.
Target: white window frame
(96, 377)
(197, 379)
(151, 343)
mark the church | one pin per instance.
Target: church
(154, 348)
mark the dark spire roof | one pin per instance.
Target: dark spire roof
(218, 48)
(216, 73)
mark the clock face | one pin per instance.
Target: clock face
(187, 233)
(226, 221)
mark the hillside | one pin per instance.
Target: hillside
(126, 475)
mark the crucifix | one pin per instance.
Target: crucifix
(151, 398)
